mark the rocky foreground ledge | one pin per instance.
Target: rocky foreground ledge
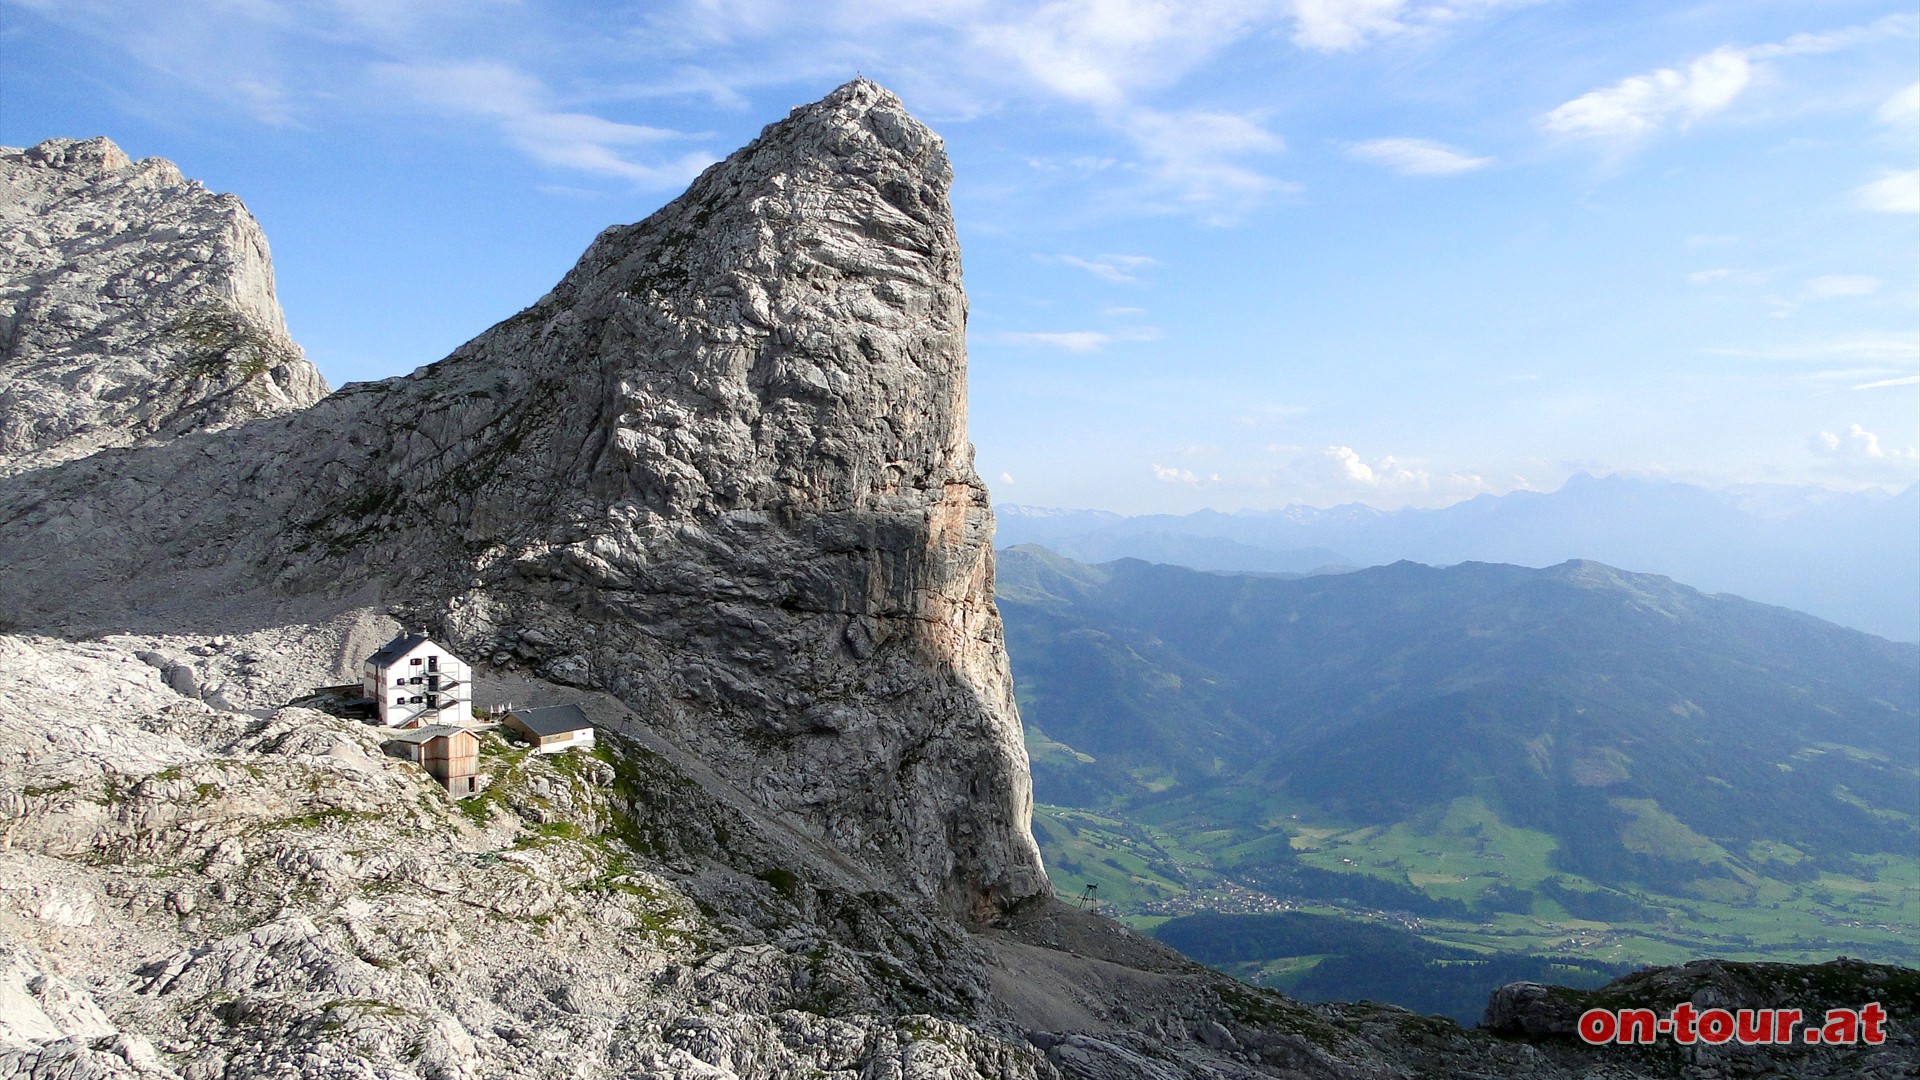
(214, 883)
(715, 488)
(199, 880)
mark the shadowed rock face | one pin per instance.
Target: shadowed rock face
(134, 304)
(721, 470)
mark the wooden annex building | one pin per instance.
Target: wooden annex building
(450, 755)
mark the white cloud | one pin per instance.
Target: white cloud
(1881, 384)
(1417, 157)
(1347, 462)
(232, 57)
(1115, 268)
(1336, 474)
(1902, 110)
(1831, 41)
(519, 104)
(1707, 277)
(1849, 374)
(1109, 57)
(1193, 159)
(287, 62)
(266, 99)
(1863, 346)
(1341, 25)
(1858, 451)
(1076, 340)
(1006, 478)
(1335, 25)
(1893, 193)
(1101, 51)
(1642, 105)
(1828, 286)
(1167, 474)
(1199, 134)
(1070, 340)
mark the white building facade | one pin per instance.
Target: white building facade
(413, 681)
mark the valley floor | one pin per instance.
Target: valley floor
(1151, 875)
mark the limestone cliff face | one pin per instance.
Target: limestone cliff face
(134, 303)
(721, 474)
(742, 496)
(721, 471)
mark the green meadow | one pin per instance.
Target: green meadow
(1163, 860)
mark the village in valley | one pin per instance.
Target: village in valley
(423, 693)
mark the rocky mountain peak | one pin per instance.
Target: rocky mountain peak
(95, 156)
(803, 299)
(721, 471)
(759, 460)
(134, 304)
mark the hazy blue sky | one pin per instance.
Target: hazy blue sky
(1223, 253)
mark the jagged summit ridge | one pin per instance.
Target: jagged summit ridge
(720, 470)
(134, 304)
(806, 283)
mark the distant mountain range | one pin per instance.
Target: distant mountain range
(1574, 760)
(1853, 558)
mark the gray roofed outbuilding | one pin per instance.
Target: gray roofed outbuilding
(552, 719)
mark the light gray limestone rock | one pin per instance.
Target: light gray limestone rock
(185, 891)
(721, 471)
(38, 1006)
(134, 304)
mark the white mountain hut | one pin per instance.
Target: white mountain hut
(412, 681)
